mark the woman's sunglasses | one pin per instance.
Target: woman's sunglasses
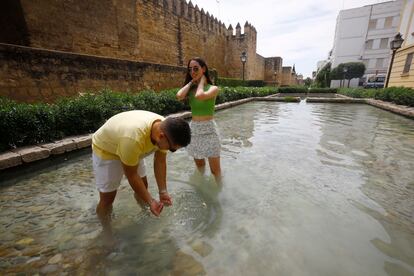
(194, 69)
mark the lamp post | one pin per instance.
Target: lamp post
(395, 44)
(345, 71)
(243, 59)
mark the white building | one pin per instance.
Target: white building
(364, 35)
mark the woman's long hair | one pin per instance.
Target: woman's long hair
(202, 63)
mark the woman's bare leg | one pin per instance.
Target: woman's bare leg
(215, 168)
(200, 164)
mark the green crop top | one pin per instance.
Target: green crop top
(201, 107)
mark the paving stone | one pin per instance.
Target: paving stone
(83, 141)
(33, 153)
(9, 159)
(55, 148)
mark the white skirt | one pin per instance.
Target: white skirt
(205, 140)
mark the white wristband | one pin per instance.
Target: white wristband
(163, 191)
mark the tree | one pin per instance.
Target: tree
(308, 81)
(348, 71)
(323, 78)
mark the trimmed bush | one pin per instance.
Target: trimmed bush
(255, 83)
(231, 82)
(238, 82)
(357, 92)
(323, 90)
(28, 124)
(25, 124)
(293, 89)
(398, 95)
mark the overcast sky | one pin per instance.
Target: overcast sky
(299, 31)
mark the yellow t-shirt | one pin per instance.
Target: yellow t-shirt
(126, 136)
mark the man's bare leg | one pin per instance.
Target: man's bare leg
(104, 211)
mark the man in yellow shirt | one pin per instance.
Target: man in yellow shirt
(118, 148)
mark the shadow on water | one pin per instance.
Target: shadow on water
(398, 247)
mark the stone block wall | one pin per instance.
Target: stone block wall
(259, 69)
(287, 76)
(33, 75)
(102, 34)
(273, 71)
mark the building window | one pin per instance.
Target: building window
(384, 43)
(372, 24)
(386, 62)
(388, 22)
(408, 62)
(380, 63)
(369, 43)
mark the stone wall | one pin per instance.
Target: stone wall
(32, 75)
(273, 71)
(171, 35)
(166, 32)
(286, 76)
(258, 72)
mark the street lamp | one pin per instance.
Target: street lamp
(395, 44)
(345, 71)
(243, 59)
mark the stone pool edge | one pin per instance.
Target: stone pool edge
(29, 154)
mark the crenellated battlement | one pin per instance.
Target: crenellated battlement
(197, 25)
(202, 18)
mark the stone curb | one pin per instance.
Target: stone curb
(398, 109)
(334, 100)
(19, 156)
(277, 99)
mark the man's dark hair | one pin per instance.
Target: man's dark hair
(178, 131)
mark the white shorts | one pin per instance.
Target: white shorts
(108, 173)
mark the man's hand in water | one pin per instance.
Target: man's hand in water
(156, 207)
(165, 198)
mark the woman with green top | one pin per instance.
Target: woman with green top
(201, 94)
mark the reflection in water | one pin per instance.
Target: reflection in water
(235, 131)
(384, 160)
(307, 189)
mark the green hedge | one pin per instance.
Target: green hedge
(255, 83)
(323, 90)
(28, 124)
(293, 89)
(398, 95)
(357, 92)
(229, 82)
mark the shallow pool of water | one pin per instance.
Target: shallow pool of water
(308, 189)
